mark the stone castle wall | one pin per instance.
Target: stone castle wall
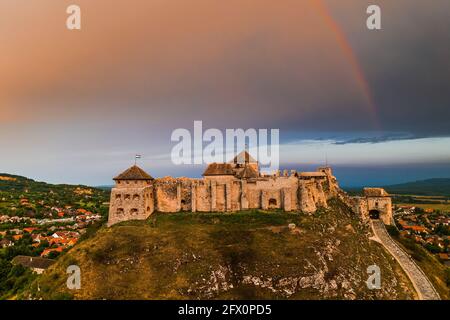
(132, 200)
(216, 194)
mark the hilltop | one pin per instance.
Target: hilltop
(244, 255)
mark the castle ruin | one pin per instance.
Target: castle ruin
(235, 186)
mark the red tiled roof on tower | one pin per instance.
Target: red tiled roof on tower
(133, 173)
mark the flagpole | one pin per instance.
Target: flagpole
(136, 156)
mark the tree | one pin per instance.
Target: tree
(432, 248)
(53, 254)
(447, 277)
(5, 269)
(393, 231)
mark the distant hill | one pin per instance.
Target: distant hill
(10, 182)
(428, 187)
(105, 187)
(23, 196)
(244, 255)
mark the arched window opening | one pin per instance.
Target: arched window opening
(272, 203)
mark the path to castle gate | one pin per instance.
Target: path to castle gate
(423, 286)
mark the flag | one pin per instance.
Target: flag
(138, 156)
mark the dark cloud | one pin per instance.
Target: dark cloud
(379, 138)
(407, 65)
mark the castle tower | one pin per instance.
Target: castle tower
(132, 197)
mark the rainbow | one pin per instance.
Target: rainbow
(347, 50)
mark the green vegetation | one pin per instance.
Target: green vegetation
(21, 247)
(13, 279)
(25, 198)
(393, 231)
(20, 196)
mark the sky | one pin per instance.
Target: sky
(77, 105)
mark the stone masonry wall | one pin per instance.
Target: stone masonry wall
(130, 204)
(306, 193)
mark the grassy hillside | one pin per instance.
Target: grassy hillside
(228, 256)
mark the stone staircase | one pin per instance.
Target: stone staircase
(423, 286)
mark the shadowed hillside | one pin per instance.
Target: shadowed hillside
(229, 256)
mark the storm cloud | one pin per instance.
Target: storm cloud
(139, 69)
